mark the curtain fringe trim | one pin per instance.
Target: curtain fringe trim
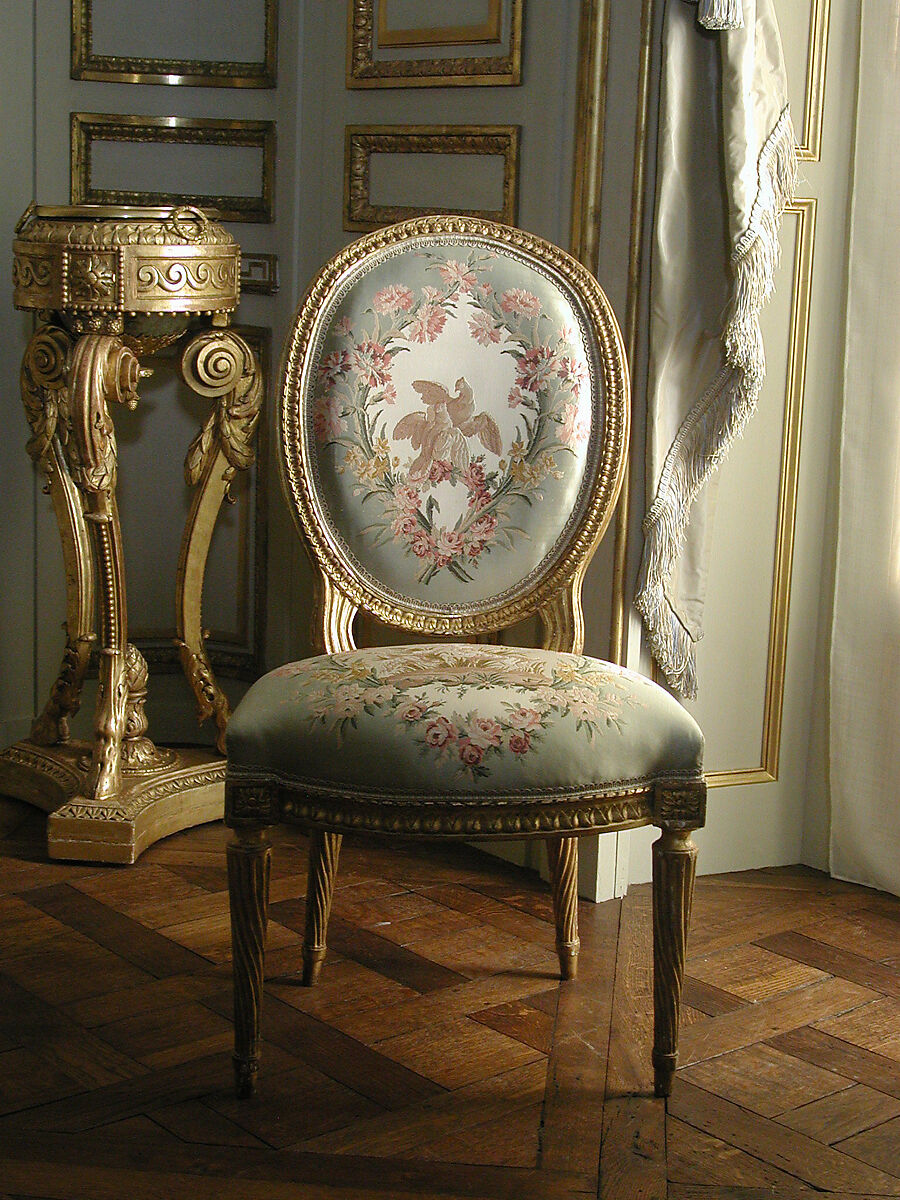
(721, 14)
(721, 413)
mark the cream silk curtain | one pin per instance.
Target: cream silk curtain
(865, 656)
(726, 169)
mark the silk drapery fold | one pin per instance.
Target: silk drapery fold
(865, 646)
(726, 169)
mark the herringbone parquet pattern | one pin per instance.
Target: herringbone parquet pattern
(439, 1056)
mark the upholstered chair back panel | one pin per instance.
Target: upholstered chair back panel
(449, 420)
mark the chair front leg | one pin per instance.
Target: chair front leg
(249, 864)
(324, 850)
(674, 862)
(562, 856)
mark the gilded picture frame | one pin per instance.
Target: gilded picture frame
(362, 141)
(88, 128)
(107, 68)
(367, 28)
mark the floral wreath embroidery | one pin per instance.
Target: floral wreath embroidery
(395, 684)
(355, 390)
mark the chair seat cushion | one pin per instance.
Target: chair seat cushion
(461, 720)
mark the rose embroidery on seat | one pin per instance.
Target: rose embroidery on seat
(432, 693)
(402, 463)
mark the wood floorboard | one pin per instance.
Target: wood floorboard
(439, 1056)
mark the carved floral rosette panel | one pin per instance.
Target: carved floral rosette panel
(180, 263)
(452, 421)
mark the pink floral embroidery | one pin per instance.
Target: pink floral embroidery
(519, 742)
(413, 688)
(454, 272)
(327, 421)
(573, 373)
(393, 299)
(373, 364)
(575, 428)
(333, 366)
(404, 466)
(439, 732)
(483, 329)
(428, 325)
(439, 470)
(535, 368)
(520, 302)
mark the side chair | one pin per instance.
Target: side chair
(453, 431)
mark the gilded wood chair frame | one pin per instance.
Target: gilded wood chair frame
(257, 800)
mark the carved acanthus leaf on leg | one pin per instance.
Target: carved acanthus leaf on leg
(220, 366)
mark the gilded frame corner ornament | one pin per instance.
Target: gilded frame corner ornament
(362, 141)
(88, 128)
(364, 70)
(107, 68)
(344, 589)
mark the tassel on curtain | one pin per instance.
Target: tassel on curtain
(721, 14)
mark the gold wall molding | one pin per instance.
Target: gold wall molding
(365, 70)
(89, 128)
(178, 71)
(362, 141)
(487, 31)
(259, 273)
(767, 770)
(810, 141)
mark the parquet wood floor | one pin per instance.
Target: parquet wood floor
(439, 1057)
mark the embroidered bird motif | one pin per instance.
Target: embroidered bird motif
(442, 430)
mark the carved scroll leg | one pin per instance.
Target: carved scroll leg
(674, 860)
(562, 856)
(220, 366)
(103, 370)
(324, 849)
(249, 864)
(45, 381)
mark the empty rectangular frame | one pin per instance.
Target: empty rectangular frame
(453, 142)
(382, 52)
(229, 152)
(129, 33)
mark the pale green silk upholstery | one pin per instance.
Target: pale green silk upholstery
(453, 428)
(483, 721)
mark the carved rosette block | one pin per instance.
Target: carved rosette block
(220, 366)
(249, 865)
(98, 264)
(324, 850)
(562, 857)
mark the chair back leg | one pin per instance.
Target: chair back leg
(249, 865)
(562, 856)
(674, 862)
(324, 850)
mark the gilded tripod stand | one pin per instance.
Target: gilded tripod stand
(110, 285)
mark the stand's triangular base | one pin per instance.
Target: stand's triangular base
(187, 790)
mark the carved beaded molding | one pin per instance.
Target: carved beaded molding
(268, 801)
(586, 535)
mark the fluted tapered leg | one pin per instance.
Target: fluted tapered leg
(674, 861)
(249, 861)
(324, 850)
(562, 856)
